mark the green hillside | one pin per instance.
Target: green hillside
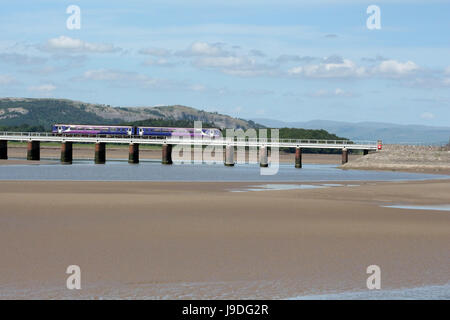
(15, 112)
(44, 113)
(26, 114)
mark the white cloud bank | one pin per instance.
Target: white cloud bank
(396, 68)
(71, 45)
(129, 79)
(331, 94)
(7, 80)
(43, 88)
(427, 116)
(349, 69)
(200, 48)
(346, 69)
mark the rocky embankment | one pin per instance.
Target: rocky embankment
(405, 158)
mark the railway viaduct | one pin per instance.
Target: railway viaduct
(34, 139)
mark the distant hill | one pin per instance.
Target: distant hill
(29, 112)
(388, 132)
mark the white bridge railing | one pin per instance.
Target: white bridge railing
(205, 140)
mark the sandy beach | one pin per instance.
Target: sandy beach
(199, 240)
(411, 158)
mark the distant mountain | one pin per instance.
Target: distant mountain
(16, 112)
(388, 132)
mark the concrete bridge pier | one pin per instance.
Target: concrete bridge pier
(3, 149)
(133, 153)
(100, 153)
(66, 152)
(229, 155)
(34, 150)
(344, 156)
(166, 154)
(263, 162)
(298, 157)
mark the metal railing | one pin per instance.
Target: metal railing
(205, 140)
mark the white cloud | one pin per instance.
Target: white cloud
(112, 75)
(396, 68)
(157, 52)
(236, 66)
(222, 62)
(127, 79)
(337, 67)
(427, 116)
(162, 62)
(21, 59)
(199, 48)
(7, 80)
(257, 53)
(285, 58)
(331, 94)
(67, 44)
(249, 72)
(344, 69)
(43, 88)
(447, 70)
(197, 87)
(342, 93)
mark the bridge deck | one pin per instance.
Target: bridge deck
(249, 142)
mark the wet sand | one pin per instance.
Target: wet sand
(198, 240)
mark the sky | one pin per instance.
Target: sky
(284, 60)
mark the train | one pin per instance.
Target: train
(110, 130)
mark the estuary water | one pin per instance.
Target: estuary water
(434, 292)
(155, 171)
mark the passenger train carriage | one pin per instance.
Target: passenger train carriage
(161, 132)
(177, 132)
(79, 129)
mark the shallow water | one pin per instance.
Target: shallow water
(437, 292)
(155, 171)
(262, 289)
(442, 207)
(267, 187)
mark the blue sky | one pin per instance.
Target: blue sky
(286, 60)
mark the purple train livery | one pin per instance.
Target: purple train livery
(81, 129)
(107, 130)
